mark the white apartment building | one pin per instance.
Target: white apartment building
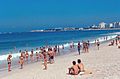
(102, 25)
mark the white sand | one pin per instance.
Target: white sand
(104, 64)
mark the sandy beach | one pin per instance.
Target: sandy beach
(103, 63)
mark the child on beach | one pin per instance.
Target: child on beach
(9, 62)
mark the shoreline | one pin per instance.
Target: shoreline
(93, 61)
(67, 49)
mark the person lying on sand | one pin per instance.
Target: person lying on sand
(74, 70)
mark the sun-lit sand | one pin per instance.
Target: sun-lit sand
(104, 64)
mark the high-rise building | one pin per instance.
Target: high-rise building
(102, 25)
(111, 25)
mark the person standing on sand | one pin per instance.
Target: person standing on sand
(79, 47)
(21, 60)
(51, 56)
(45, 59)
(37, 56)
(58, 49)
(62, 46)
(9, 62)
(116, 41)
(26, 55)
(95, 43)
(98, 44)
(31, 55)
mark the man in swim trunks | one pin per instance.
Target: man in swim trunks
(80, 66)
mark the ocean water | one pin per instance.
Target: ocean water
(13, 42)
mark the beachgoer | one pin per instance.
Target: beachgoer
(31, 55)
(51, 56)
(21, 61)
(80, 66)
(37, 56)
(27, 55)
(95, 43)
(58, 49)
(116, 41)
(62, 46)
(88, 45)
(45, 59)
(98, 44)
(9, 62)
(74, 70)
(84, 50)
(79, 47)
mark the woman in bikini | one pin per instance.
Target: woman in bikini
(37, 56)
(31, 55)
(21, 61)
(45, 59)
(27, 55)
(9, 62)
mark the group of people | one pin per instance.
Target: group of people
(76, 68)
(85, 46)
(42, 53)
(115, 42)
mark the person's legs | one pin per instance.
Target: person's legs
(45, 64)
(79, 51)
(9, 66)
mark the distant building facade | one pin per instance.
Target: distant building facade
(102, 25)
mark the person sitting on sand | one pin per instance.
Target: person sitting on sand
(9, 62)
(80, 66)
(111, 44)
(74, 70)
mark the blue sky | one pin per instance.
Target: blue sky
(25, 15)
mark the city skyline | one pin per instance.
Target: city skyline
(27, 15)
